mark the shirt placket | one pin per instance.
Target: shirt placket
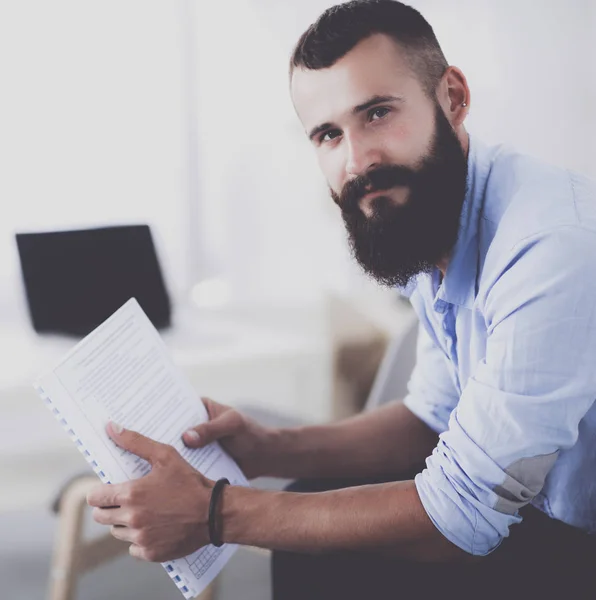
(446, 316)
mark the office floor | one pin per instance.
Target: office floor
(26, 539)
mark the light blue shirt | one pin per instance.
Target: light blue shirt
(506, 359)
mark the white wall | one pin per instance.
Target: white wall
(92, 123)
(530, 66)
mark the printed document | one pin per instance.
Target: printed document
(122, 372)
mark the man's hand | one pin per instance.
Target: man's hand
(164, 514)
(247, 442)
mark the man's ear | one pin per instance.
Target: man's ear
(453, 95)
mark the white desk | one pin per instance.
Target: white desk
(230, 358)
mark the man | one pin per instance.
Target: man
(497, 254)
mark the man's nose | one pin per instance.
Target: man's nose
(361, 157)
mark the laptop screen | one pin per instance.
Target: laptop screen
(74, 280)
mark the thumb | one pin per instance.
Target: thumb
(224, 425)
(134, 442)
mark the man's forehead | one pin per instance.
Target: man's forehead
(375, 67)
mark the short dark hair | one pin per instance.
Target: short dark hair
(343, 26)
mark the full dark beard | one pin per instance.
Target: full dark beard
(398, 242)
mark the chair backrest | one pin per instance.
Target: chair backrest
(392, 377)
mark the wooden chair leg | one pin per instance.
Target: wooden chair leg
(63, 574)
(72, 555)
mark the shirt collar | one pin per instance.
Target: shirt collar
(459, 284)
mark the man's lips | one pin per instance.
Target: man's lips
(374, 194)
(398, 194)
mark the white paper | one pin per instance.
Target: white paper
(122, 372)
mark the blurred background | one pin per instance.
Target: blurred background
(177, 114)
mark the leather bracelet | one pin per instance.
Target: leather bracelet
(215, 494)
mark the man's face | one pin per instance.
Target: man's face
(393, 163)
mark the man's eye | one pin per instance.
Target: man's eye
(378, 113)
(329, 135)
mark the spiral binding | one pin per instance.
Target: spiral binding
(170, 567)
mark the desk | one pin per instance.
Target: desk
(237, 359)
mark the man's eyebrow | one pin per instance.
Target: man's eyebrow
(357, 109)
(318, 129)
(376, 100)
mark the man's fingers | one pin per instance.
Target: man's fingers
(137, 552)
(226, 424)
(192, 438)
(134, 442)
(110, 516)
(107, 495)
(123, 533)
(210, 406)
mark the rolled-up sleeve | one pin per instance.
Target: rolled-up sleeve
(523, 404)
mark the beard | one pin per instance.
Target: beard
(398, 242)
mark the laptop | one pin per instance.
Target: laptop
(74, 280)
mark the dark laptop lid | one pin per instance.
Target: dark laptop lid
(74, 280)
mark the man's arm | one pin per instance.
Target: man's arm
(386, 518)
(390, 439)
(384, 441)
(162, 525)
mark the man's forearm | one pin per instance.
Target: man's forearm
(388, 440)
(386, 518)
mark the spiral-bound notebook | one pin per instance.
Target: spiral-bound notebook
(122, 372)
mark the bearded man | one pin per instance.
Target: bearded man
(484, 477)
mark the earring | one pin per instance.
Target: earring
(464, 104)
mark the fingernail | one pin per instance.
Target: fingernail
(116, 428)
(192, 435)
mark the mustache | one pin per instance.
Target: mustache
(376, 180)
